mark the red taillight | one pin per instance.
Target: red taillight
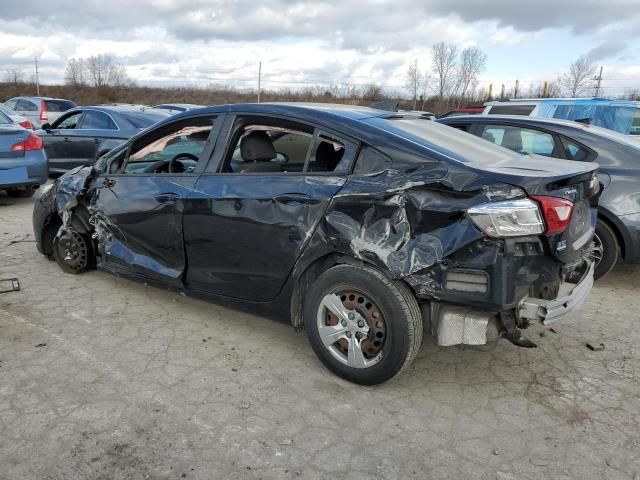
(33, 142)
(43, 111)
(557, 213)
(26, 124)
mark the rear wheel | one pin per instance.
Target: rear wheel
(21, 192)
(73, 252)
(607, 249)
(363, 326)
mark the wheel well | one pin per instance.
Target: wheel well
(616, 232)
(49, 231)
(311, 272)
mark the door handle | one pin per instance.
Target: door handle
(66, 139)
(293, 198)
(96, 140)
(167, 198)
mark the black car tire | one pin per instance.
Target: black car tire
(82, 255)
(21, 192)
(610, 249)
(392, 300)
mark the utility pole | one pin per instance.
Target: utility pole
(259, 79)
(490, 92)
(516, 89)
(545, 90)
(502, 93)
(598, 79)
(37, 78)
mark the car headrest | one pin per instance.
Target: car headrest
(512, 140)
(327, 157)
(257, 146)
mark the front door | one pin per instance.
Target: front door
(140, 206)
(248, 223)
(63, 143)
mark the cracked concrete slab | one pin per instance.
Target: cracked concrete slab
(104, 378)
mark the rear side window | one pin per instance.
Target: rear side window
(370, 162)
(635, 126)
(511, 109)
(58, 106)
(573, 151)
(97, 121)
(461, 126)
(11, 104)
(521, 140)
(26, 106)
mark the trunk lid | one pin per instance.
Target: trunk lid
(9, 136)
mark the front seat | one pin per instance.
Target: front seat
(327, 158)
(257, 147)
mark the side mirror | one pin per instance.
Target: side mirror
(46, 126)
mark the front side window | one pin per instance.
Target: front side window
(69, 122)
(94, 120)
(176, 148)
(522, 140)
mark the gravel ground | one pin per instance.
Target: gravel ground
(104, 378)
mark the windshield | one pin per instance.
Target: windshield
(144, 119)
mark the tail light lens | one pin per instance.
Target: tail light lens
(26, 124)
(33, 142)
(511, 218)
(557, 213)
(43, 111)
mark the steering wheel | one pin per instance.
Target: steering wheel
(190, 156)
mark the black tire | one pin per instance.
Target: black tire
(81, 257)
(21, 192)
(392, 300)
(610, 249)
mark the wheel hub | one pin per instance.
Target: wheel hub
(352, 328)
(72, 248)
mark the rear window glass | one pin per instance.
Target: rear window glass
(59, 105)
(511, 109)
(143, 119)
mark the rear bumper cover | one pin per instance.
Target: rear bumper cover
(31, 169)
(551, 311)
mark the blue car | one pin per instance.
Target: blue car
(23, 161)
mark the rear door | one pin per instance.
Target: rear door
(249, 219)
(140, 206)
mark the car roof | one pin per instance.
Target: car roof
(351, 112)
(43, 98)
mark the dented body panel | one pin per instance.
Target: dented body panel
(262, 238)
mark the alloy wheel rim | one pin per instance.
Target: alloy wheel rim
(597, 252)
(352, 328)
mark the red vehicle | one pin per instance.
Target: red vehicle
(463, 111)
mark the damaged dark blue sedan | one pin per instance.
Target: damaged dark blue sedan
(361, 227)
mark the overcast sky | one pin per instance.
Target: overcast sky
(197, 42)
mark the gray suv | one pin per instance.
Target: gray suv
(39, 110)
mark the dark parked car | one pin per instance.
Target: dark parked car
(382, 222)
(618, 228)
(83, 134)
(23, 163)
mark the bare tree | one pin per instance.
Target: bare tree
(444, 58)
(118, 76)
(14, 75)
(372, 92)
(413, 81)
(579, 78)
(633, 94)
(472, 62)
(74, 73)
(102, 71)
